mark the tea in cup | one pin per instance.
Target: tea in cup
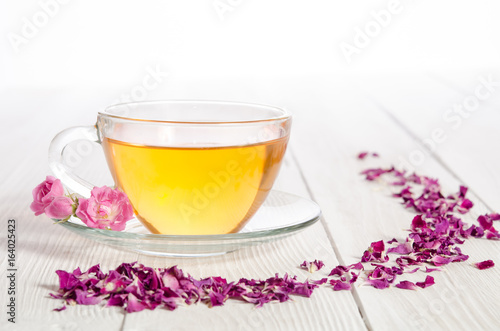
(187, 167)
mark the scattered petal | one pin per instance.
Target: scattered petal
(363, 155)
(429, 281)
(312, 266)
(406, 285)
(427, 269)
(484, 265)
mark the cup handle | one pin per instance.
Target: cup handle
(56, 157)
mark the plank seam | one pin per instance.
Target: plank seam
(354, 293)
(122, 326)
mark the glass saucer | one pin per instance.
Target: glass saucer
(281, 215)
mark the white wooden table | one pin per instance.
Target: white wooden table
(334, 119)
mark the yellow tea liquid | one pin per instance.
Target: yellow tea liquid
(208, 190)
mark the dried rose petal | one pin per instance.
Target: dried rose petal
(406, 285)
(485, 222)
(362, 155)
(484, 265)
(404, 248)
(312, 266)
(429, 281)
(338, 271)
(340, 285)
(372, 174)
(376, 252)
(438, 260)
(492, 234)
(341, 270)
(356, 266)
(378, 283)
(427, 269)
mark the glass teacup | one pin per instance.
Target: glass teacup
(187, 167)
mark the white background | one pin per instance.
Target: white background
(108, 44)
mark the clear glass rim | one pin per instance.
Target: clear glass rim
(283, 114)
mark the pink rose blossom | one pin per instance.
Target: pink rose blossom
(44, 193)
(105, 209)
(60, 208)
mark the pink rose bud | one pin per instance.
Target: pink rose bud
(60, 208)
(44, 193)
(105, 209)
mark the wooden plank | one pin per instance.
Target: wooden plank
(357, 213)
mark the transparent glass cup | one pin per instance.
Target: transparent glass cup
(188, 167)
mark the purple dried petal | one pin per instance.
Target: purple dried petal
(378, 283)
(362, 155)
(66, 280)
(340, 285)
(429, 281)
(485, 222)
(85, 298)
(438, 260)
(312, 266)
(432, 269)
(59, 309)
(492, 234)
(377, 246)
(338, 271)
(477, 231)
(372, 174)
(442, 227)
(459, 258)
(117, 300)
(133, 304)
(318, 282)
(418, 223)
(406, 285)
(462, 191)
(375, 253)
(494, 216)
(484, 265)
(465, 206)
(404, 248)
(356, 266)
(354, 277)
(393, 240)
